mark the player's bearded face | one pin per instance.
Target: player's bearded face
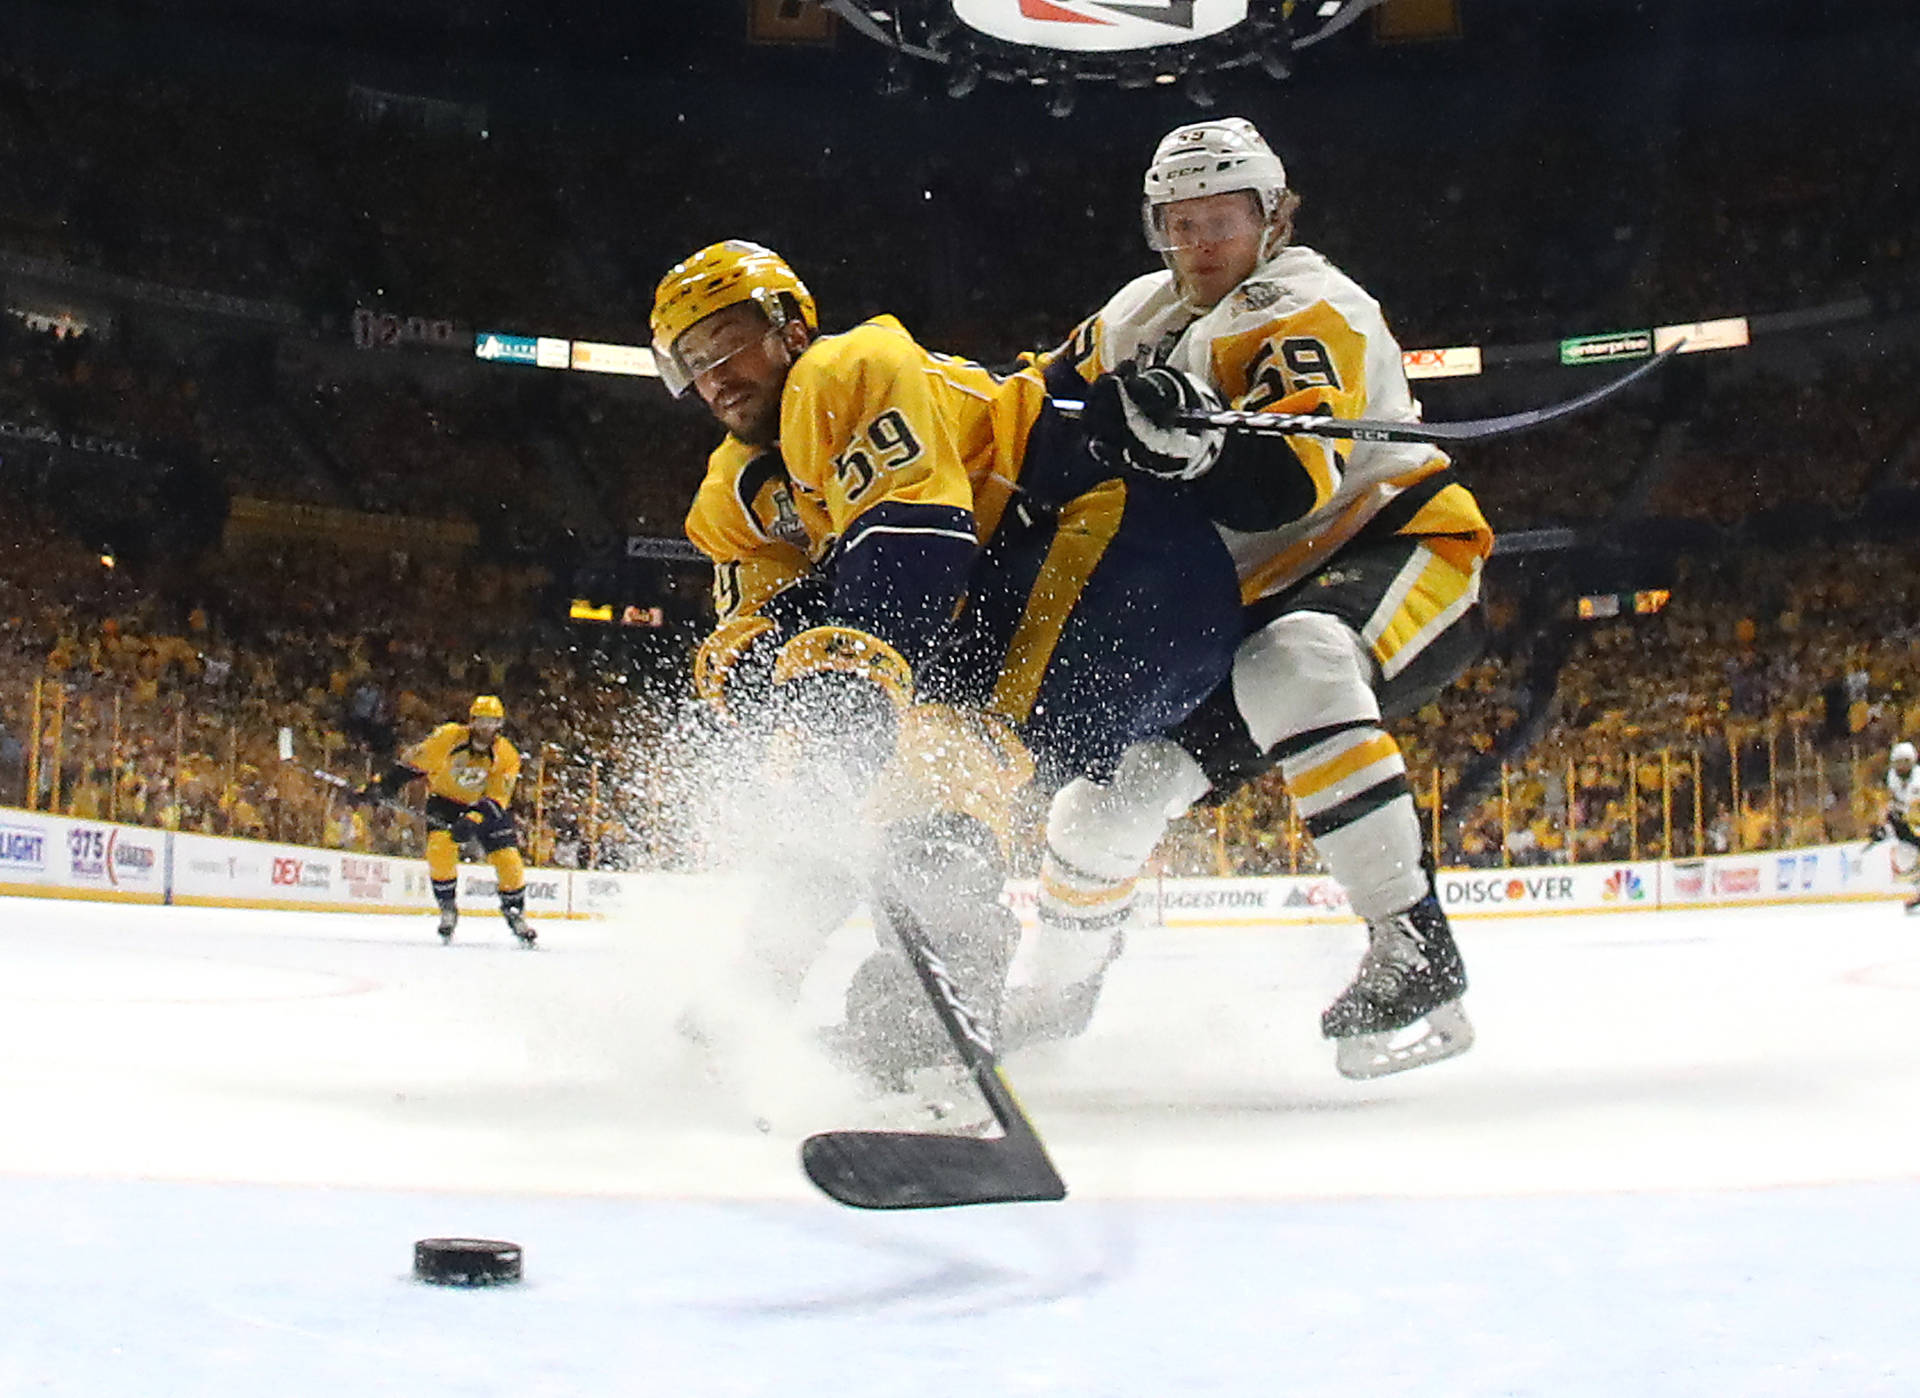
(739, 363)
(1213, 242)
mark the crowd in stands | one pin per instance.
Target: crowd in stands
(164, 706)
(1781, 680)
(1776, 442)
(1755, 708)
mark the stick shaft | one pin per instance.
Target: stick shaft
(1361, 429)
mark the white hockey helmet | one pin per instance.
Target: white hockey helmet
(1213, 157)
(1902, 752)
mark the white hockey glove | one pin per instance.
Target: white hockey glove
(1132, 419)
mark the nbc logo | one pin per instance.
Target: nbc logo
(1623, 884)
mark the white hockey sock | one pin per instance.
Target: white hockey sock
(1099, 837)
(1352, 794)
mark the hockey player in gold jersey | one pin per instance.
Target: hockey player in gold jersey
(1359, 565)
(922, 562)
(470, 771)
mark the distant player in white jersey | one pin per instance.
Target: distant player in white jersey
(1359, 565)
(1902, 817)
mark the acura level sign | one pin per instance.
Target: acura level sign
(1100, 25)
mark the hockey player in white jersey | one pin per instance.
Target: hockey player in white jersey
(1901, 818)
(1360, 575)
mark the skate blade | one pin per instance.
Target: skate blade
(1448, 1034)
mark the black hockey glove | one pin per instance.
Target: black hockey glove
(1133, 416)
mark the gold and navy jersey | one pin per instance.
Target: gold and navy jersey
(761, 533)
(458, 770)
(1298, 336)
(894, 465)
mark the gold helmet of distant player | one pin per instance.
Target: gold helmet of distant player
(488, 706)
(714, 278)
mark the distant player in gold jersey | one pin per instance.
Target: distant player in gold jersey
(907, 545)
(1359, 564)
(470, 771)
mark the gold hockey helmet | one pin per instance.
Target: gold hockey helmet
(488, 706)
(724, 274)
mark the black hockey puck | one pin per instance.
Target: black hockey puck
(466, 1261)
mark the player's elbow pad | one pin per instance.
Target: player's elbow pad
(734, 661)
(1257, 483)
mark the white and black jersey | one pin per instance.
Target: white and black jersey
(1903, 804)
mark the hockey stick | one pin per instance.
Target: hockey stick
(1363, 429)
(286, 756)
(921, 1170)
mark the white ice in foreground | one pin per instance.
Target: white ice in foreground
(1682, 1159)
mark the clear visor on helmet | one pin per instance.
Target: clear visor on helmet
(707, 344)
(1211, 219)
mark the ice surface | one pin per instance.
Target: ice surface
(1682, 1159)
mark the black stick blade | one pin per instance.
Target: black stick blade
(908, 1170)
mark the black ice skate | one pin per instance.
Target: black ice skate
(518, 925)
(1411, 973)
(448, 917)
